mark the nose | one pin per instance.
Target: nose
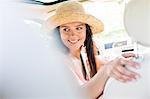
(72, 33)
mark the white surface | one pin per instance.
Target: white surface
(28, 68)
(139, 89)
(137, 20)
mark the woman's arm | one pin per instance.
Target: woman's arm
(95, 86)
(115, 69)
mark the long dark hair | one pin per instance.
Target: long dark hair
(90, 52)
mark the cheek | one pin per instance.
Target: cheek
(62, 36)
(64, 39)
(83, 37)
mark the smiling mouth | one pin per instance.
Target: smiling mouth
(73, 41)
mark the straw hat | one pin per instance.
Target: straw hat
(72, 11)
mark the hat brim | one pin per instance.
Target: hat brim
(95, 24)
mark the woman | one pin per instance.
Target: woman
(76, 28)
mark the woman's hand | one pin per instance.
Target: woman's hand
(118, 70)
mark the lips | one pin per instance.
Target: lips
(73, 41)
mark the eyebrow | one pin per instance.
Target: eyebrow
(75, 26)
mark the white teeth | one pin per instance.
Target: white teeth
(73, 41)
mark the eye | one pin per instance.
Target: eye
(66, 29)
(79, 28)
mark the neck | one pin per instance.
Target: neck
(75, 53)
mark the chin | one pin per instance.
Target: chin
(75, 47)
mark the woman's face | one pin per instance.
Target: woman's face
(73, 35)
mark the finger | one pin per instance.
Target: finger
(127, 55)
(129, 63)
(114, 76)
(136, 75)
(120, 76)
(125, 71)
